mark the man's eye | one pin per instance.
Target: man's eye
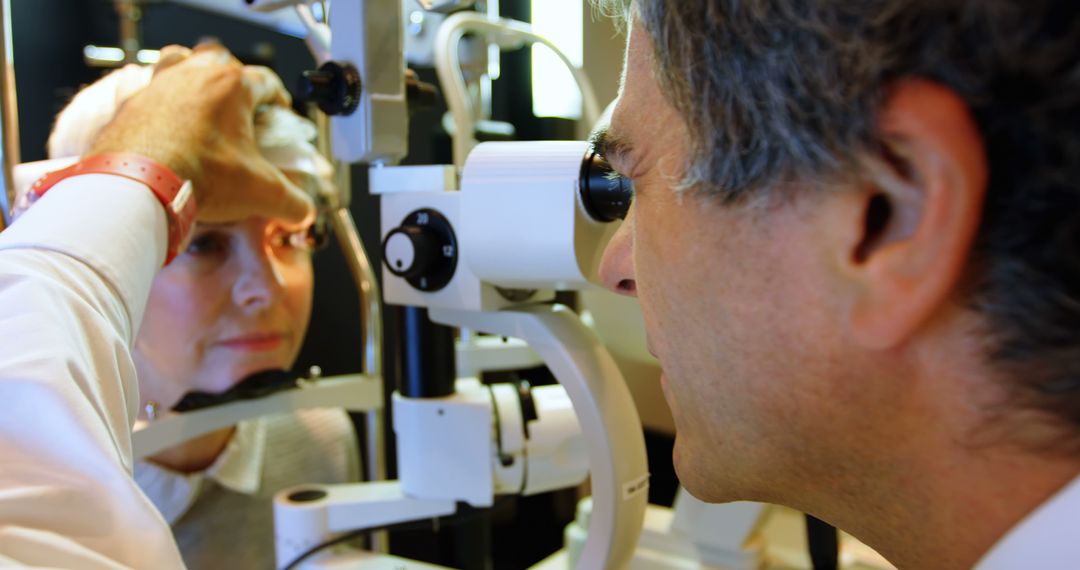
(207, 244)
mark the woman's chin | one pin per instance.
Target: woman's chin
(225, 377)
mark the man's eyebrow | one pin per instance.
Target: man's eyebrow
(611, 146)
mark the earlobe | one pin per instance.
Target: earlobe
(921, 213)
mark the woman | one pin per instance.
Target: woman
(235, 302)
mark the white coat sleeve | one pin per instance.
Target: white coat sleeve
(75, 274)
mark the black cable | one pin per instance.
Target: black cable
(254, 386)
(350, 536)
(823, 542)
(437, 522)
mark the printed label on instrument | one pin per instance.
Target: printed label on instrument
(635, 487)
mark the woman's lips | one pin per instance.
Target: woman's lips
(254, 342)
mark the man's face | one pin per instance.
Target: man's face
(732, 306)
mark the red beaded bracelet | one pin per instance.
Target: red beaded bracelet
(173, 193)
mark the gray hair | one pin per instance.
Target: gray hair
(779, 90)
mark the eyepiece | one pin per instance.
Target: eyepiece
(605, 194)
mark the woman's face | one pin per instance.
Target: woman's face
(235, 302)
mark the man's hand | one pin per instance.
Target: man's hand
(197, 118)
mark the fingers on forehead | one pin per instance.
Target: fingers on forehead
(213, 54)
(170, 56)
(175, 49)
(213, 48)
(295, 205)
(265, 86)
(203, 55)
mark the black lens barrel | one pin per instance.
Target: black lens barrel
(605, 194)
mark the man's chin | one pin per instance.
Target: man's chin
(695, 477)
(683, 470)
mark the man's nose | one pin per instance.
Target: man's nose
(617, 263)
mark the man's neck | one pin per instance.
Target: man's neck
(967, 509)
(955, 472)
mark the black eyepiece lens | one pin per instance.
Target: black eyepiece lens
(606, 194)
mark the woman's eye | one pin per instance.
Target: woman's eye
(296, 240)
(207, 244)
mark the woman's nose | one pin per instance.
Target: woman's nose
(260, 281)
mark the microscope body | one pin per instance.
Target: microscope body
(517, 228)
(485, 255)
(485, 258)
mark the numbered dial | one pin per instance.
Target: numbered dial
(423, 250)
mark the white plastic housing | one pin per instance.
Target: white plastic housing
(477, 354)
(518, 220)
(522, 222)
(552, 457)
(369, 34)
(464, 290)
(472, 445)
(509, 474)
(445, 446)
(301, 524)
(557, 457)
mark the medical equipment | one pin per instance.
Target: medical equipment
(354, 392)
(446, 449)
(505, 34)
(129, 19)
(480, 258)
(361, 81)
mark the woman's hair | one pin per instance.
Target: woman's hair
(284, 138)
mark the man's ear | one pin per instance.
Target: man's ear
(918, 209)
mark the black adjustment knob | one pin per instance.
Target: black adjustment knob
(422, 250)
(605, 194)
(335, 87)
(409, 251)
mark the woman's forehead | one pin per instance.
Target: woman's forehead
(253, 222)
(246, 223)
(219, 225)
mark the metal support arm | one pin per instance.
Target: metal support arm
(605, 410)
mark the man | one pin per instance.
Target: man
(854, 240)
(75, 273)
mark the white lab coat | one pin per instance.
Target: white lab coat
(75, 274)
(1048, 537)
